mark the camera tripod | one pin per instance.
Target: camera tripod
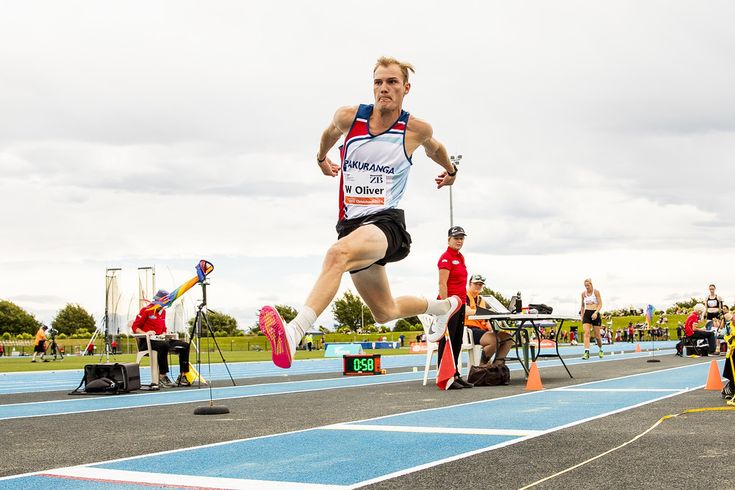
(200, 321)
(54, 347)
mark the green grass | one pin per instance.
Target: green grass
(16, 364)
(248, 348)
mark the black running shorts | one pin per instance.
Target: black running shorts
(587, 318)
(392, 223)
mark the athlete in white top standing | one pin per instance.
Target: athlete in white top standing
(590, 313)
(375, 161)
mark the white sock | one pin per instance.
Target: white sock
(303, 321)
(437, 306)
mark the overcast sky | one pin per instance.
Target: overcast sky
(597, 141)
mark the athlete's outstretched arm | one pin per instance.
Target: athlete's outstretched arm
(340, 125)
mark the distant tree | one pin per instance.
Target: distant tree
(81, 333)
(403, 325)
(286, 312)
(15, 320)
(71, 318)
(351, 312)
(219, 322)
(683, 305)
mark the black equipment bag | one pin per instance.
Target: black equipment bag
(110, 378)
(487, 375)
(542, 308)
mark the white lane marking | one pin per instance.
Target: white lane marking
(437, 430)
(179, 480)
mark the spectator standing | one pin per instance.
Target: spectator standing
(714, 309)
(39, 344)
(590, 313)
(452, 280)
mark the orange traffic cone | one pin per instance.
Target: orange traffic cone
(714, 380)
(534, 379)
(637, 347)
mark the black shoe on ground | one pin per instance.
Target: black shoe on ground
(165, 381)
(182, 381)
(462, 383)
(455, 386)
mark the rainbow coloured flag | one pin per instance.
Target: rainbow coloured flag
(649, 315)
(203, 269)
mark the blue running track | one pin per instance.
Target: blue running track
(331, 457)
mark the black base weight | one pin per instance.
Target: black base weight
(211, 410)
(654, 360)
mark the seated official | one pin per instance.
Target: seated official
(691, 332)
(154, 323)
(482, 333)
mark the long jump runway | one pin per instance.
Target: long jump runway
(340, 456)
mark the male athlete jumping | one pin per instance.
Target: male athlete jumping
(375, 161)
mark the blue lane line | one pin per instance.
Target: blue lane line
(355, 458)
(77, 404)
(67, 380)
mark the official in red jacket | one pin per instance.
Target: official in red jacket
(153, 323)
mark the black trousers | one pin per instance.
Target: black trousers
(727, 371)
(710, 336)
(455, 326)
(163, 347)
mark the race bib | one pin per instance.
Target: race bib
(366, 188)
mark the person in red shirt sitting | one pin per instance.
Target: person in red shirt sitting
(691, 332)
(153, 323)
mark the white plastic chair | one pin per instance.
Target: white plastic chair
(150, 352)
(473, 351)
(431, 347)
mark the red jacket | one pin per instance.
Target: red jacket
(453, 261)
(150, 322)
(689, 324)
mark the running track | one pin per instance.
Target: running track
(332, 456)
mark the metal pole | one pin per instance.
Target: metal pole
(455, 161)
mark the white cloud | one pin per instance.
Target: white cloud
(597, 140)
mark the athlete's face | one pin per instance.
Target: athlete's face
(389, 88)
(456, 242)
(711, 290)
(588, 286)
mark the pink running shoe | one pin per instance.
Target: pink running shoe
(455, 302)
(271, 324)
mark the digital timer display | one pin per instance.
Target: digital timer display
(361, 364)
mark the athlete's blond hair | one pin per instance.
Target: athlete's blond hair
(388, 60)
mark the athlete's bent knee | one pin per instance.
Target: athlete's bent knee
(337, 257)
(382, 316)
